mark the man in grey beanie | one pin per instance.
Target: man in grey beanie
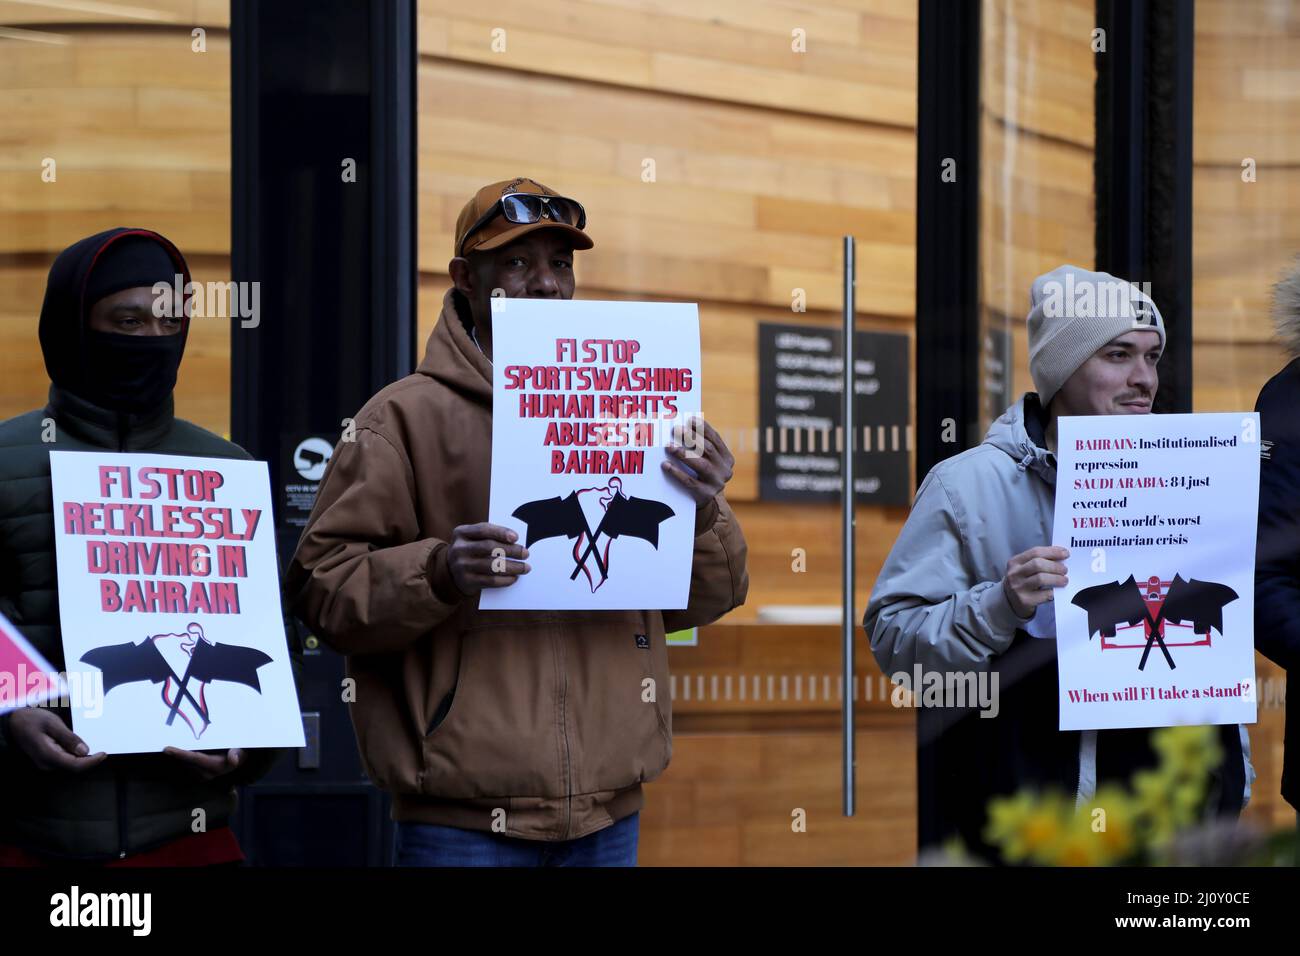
(965, 592)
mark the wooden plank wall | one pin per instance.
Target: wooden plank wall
(763, 158)
(139, 127)
(1036, 125)
(1244, 234)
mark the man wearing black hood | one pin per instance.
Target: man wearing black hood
(112, 363)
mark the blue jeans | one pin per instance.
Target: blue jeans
(424, 844)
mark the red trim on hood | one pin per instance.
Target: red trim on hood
(177, 260)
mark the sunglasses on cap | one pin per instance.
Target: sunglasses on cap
(526, 208)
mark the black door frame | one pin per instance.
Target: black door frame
(317, 85)
(1143, 169)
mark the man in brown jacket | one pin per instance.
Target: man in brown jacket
(504, 737)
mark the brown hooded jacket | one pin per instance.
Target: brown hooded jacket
(554, 718)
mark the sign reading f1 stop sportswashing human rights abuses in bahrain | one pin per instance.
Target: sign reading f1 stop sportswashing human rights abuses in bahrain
(1156, 626)
(170, 590)
(585, 397)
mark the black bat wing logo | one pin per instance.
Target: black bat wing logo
(552, 517)
(230, 662)
(623, 517)
(1109, 604)
(128, 663)
(636, 518)
(1200, 602)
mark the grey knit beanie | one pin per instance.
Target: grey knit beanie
(1074, 312)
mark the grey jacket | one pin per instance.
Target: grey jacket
(939, 604)
(938, 601)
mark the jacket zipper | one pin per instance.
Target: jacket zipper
(118, 784)
(568, 763)
(1078, 767)
(564, 732)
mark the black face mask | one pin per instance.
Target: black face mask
(130, 373)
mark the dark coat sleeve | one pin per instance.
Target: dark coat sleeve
(1277, 551)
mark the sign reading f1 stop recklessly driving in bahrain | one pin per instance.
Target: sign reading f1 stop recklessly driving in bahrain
(169, 590)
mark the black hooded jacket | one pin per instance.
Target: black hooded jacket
(128, 803)
(1277, 549)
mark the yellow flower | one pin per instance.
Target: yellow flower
(1080, 847)
(1041, 832)
(1027, 826)
(1166, 804)
(1187, 752)
(1114, 830)
(1044, 828)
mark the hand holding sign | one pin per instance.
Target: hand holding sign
(1031, 575)
(208, 765)
(705, 454)
(477, 557)
(49, 742)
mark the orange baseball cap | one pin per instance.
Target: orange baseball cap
(498, 230)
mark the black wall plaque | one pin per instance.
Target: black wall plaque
(800, 369)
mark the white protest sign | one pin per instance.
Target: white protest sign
(169, 588)
(585, 395)
(1157, 625)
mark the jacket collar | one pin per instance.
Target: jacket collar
(452, 357)
(1020, 433)
(1036, 456)
(119, 431)
(1036, 420)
